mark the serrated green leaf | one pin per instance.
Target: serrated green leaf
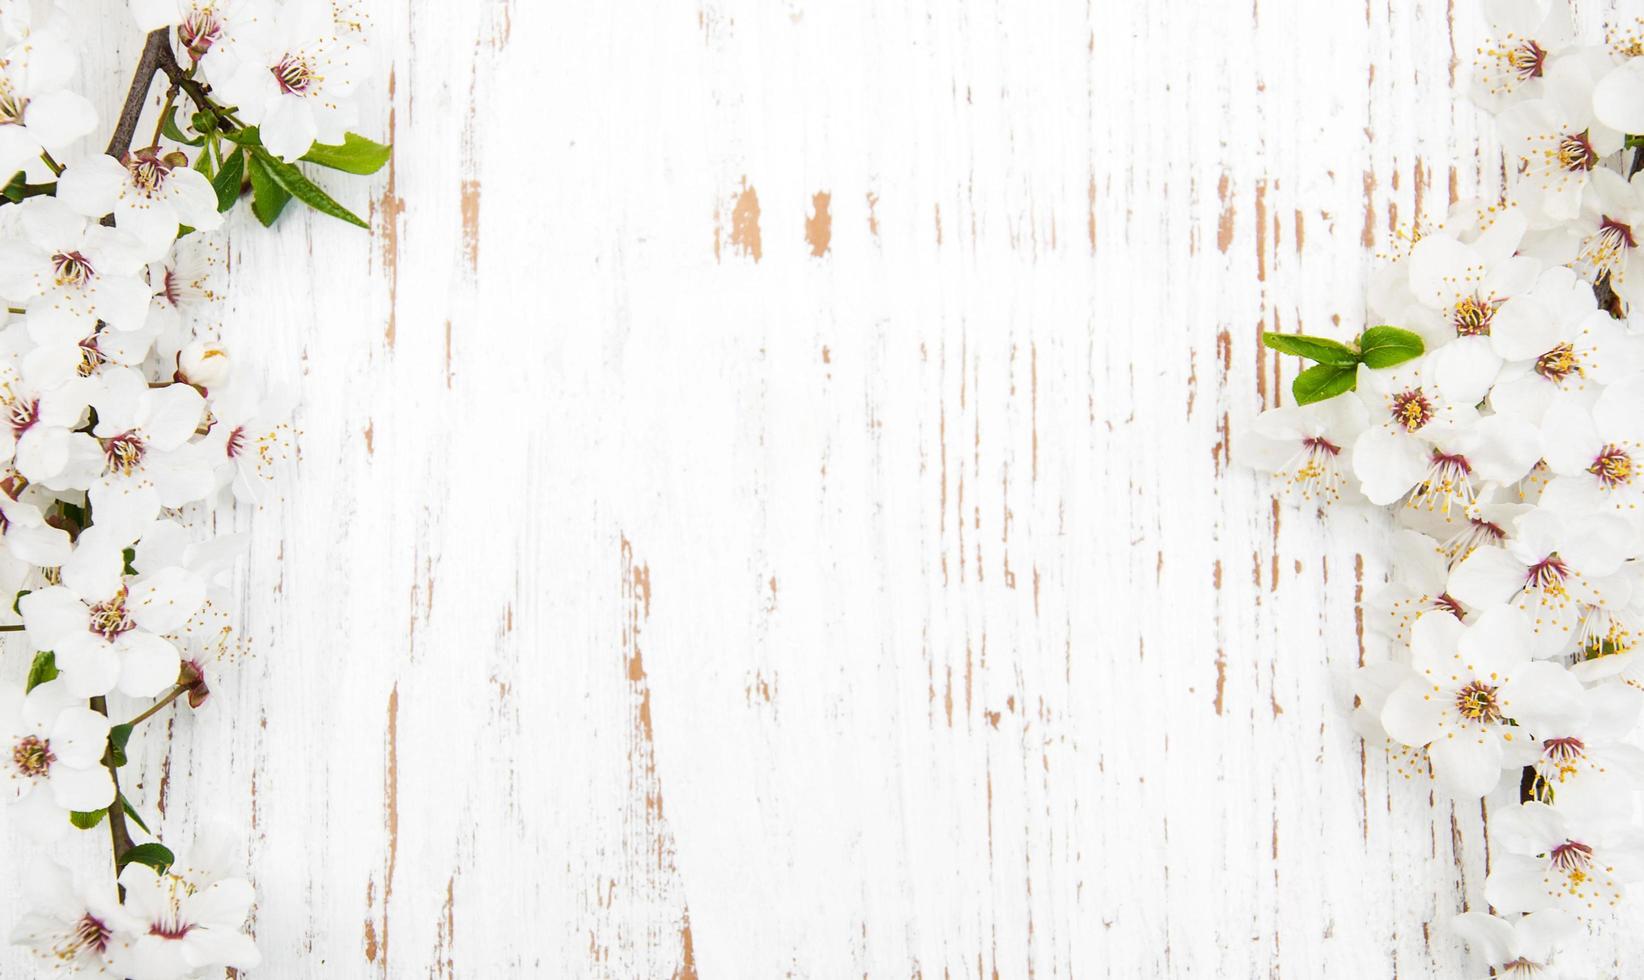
(86, 820)
(170, 128)
(156, 856)
(131, 812)
(1323, 381)
(1384, 347)
(43, 669)
(268, 198)
(230, 180)
(1321, 349)
(293, 182)
(355, 155)
(118, 736)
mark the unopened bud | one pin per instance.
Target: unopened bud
(203, 363)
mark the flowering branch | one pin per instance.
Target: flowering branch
(123, 411)
(1507, 438)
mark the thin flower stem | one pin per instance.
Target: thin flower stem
(165, 110)
(18, 628)
(154, 708)
(56, 167)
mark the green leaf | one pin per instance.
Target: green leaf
(156, 856)
(43, 669)
(268, 198)
(16, 187)
(118, 736)
(87, 819)
(169, 127)
(1321, 349)
(355, 155)
(1323, 381)
(130, 555)
(292, 181)
(131, 812)
(17, 603)
(1383, 347)
(230, 180)
(245, 137)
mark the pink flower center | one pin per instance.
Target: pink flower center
(110, 619)
(1411, 409)
(90, 933)
(1613, 466)
(1472, 316)
(1558, 363)
(71, 269)
(32, 756)
(1548, 574)
(124, 453)
(199, 31)
(236, 442)
(23, 415)
(1571, 857)
(1477, 701)
(1576, 153)
(294, 75)
(1527, 60)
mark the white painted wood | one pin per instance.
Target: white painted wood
(765, 504)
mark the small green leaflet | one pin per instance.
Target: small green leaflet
(131, 812)
(43, 669)
(1322, 381)
(172, 132)
(1385, 347)
(355, 155)
(268, 198)
(230, 180)
(292, 181)
(1337, 369)
(1320, 349)
(118, 736)
(156, 856)
(87, 820)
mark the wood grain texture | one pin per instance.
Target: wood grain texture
(767, 507)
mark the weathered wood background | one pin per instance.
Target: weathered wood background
(766, 509)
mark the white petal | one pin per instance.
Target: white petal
(59, 118)
(122, 301)
(1412, 713)
(1466, 766)
(1618, 98)
(51, 614)
(174, 414)
(148, 664)
(81, 789)
(92, 185)
(78, 736)
(1435, 640)
(1488, 936)
(164, 601)
(1487, 577)
(289, 130)
(1543, 696)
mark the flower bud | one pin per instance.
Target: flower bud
(203, 363)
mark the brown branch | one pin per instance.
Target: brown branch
(155, 52)
(119, 837)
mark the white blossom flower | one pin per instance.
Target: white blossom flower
(1551, 862)
(108, 631)
(203, 26)
(1607, 233)
(78, 929)
(71, 272)
(26, 534)
(187, 926)
(36, 112)
(1522, 949)
(38, 429)
(299, 87)
(1550, 567)
(1557, 138)
(1470, 682)
(150, 194)
(1588, 766)
(1304, 446)
(1524, 34)
(1593, 452)
(56, 746)
(1405, 414)
(1420, 584)
(1462, 287)
(251, 436)
(149, 462)
(1581, 357)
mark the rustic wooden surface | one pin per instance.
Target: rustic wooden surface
(765, 504)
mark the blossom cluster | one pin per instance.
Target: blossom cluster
(127, 424)
(1506, 436)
